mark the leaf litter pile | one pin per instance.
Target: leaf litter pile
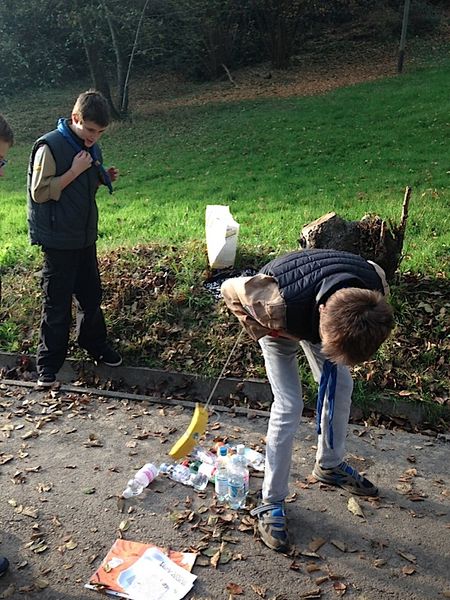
(161, 315)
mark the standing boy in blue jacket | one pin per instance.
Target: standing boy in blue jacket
(65, 171)
(333, 304)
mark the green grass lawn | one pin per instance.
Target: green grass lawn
(278, 164)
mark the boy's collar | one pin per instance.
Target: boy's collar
(80, 141)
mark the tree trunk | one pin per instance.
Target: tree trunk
(121, 70)
(98, 76)
(371, 237)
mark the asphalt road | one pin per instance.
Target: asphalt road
(65, 458)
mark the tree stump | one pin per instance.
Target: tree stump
(371, 237)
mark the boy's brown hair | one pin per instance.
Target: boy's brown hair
(6, 133)
(92, 106)
(353, 324)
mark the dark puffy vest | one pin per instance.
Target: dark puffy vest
(307, 278)
(70, 223)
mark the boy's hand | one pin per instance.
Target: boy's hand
(81, 162)
(113, 173)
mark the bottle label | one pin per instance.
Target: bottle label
(236, 490)
(221, 486)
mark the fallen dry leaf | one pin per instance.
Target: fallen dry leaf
(4, 458)
(316, 543)
(339, 545)
(259, 591)
(312, 568)
(29, 511)
(234, 589)
(312, 595)
(124, 525)
(39, 548)
(41, 583)
(9, 592)
(354, 507)
(379, 562)
(340, 587)
(215, 559)
(407, 556)
(202, 561)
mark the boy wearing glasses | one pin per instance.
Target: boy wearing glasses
(65, 171)
(6, 141)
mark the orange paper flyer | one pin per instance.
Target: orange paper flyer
(140, 571)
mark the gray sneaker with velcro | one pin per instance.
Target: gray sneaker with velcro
(272, 525)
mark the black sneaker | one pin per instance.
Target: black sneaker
(4, 565)
(347, 478)
(108, 356)
(46, 380)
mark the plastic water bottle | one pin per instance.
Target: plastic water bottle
(199, 479)
(140, 481)
(240, 449)
(221, 483)
(183, 474)
(178, 473)
(237, 476)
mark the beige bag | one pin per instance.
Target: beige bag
(221, 236)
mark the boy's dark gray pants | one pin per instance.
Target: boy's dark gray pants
(67, 274)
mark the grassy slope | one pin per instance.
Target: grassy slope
(277, 163)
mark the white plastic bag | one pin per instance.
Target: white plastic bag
(221, 236)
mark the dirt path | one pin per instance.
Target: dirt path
(66, 457)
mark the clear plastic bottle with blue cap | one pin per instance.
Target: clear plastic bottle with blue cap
(221, 482)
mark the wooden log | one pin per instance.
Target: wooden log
(371, 237)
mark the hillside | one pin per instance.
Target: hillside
(159, 312)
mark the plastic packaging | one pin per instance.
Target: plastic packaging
(208, 470)
(141, 480)
(254, 459)
(199, 481)
(203, 455)
(221, 236)
(221, 483)
(237, 478)
(183, 474)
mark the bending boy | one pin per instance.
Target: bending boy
(334, 304)
(65, 171)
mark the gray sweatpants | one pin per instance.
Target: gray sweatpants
(280, 356)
